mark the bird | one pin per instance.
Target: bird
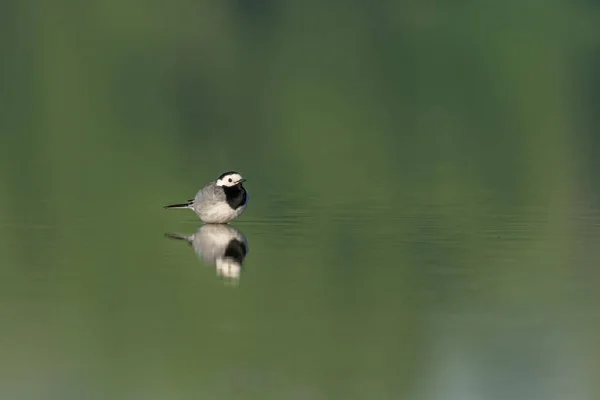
(219, 245)
(220, 201)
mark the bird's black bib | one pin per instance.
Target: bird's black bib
(235, 196)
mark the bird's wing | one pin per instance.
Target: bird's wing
(210, 193)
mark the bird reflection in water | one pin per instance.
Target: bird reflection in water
(220, 245)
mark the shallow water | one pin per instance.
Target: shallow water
(426, 301)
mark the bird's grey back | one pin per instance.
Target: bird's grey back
(210, 194)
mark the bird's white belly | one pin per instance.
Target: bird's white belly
(220, 213)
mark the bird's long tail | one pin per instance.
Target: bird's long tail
(182, 205)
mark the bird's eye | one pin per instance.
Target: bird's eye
(229, 179)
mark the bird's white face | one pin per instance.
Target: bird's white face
(230, 179)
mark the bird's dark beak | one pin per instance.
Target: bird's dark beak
(242, 180)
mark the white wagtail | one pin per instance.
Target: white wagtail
(220, 201)
(219, 245)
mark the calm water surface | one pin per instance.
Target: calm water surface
(337, 300)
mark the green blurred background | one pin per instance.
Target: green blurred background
(424, 200)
